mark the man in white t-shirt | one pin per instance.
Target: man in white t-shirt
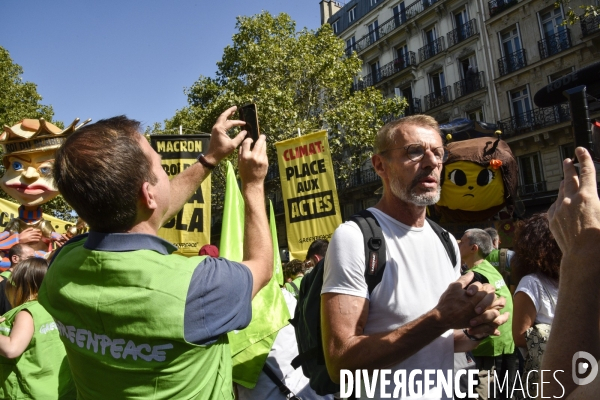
(413, 320)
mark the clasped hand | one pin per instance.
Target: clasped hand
(474, 306)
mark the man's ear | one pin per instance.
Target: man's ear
(378, 164)
(14, 259)
(148, 197)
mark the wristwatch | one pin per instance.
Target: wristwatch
(202, 160)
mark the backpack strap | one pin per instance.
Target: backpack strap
(445, 238)
(279, 383)
(375, 249)
(296, 290)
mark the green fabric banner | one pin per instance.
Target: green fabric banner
(250, 346)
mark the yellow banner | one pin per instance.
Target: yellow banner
(312, 209)
(190, 229)
(10, 210)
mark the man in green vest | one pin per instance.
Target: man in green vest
(474, 246)
(136, 320)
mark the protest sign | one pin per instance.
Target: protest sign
(190, 228)
(310, 198)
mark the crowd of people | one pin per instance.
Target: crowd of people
(117, 315)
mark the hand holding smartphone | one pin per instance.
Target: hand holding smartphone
(249, 114)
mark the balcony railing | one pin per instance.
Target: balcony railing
(554, 44)
(512, 62)
(463, 32)
(390, 25)
(535, 119)
(497, 6)
(431, 49)
(532, 188)
(358, 179)
(436, 99)
(414, 108)
(397, 65)
(368, 80)
(589, 25)
(389, 69)
(469, 85)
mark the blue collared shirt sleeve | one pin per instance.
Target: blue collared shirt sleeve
(219, 300)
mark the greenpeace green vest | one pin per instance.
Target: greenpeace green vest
(291, 289)
(120, 316)
(6, 274)
(503, 344)
(42, 371)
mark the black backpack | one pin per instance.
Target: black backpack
(307, 317)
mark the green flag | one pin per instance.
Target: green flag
(232, 230)
(250, 346)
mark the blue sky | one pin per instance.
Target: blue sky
(97, 59)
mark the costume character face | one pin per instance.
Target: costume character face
(28, 177)
(471, 187)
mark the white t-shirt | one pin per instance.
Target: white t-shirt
(280, 358)
(533, 286)
(417, 272)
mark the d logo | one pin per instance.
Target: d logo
(581, 367)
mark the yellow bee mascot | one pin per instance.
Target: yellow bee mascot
(479, 181)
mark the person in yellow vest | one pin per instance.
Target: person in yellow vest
(33, 362)
(137, 321)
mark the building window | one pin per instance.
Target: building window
(399, 13)
(437, 82)
(521, 107)
(530, 168)
(555, 36)
(402, 60)
(476, 115)
(567, 151)
(334, 26)
(373, 2)
(551, 21)
(374, 69)
(512, 52)
(560, 74)
(352, 14)
(373, 31)
(350, 45)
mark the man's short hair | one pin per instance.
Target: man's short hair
(100, 170)
(481, 239)
(385, 138)
(16, 250)
(493, 234)
(318, 247)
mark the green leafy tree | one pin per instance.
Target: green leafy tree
(300, 81)
(19, 100)
(572, 17)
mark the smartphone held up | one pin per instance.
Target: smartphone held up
(249, 115)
